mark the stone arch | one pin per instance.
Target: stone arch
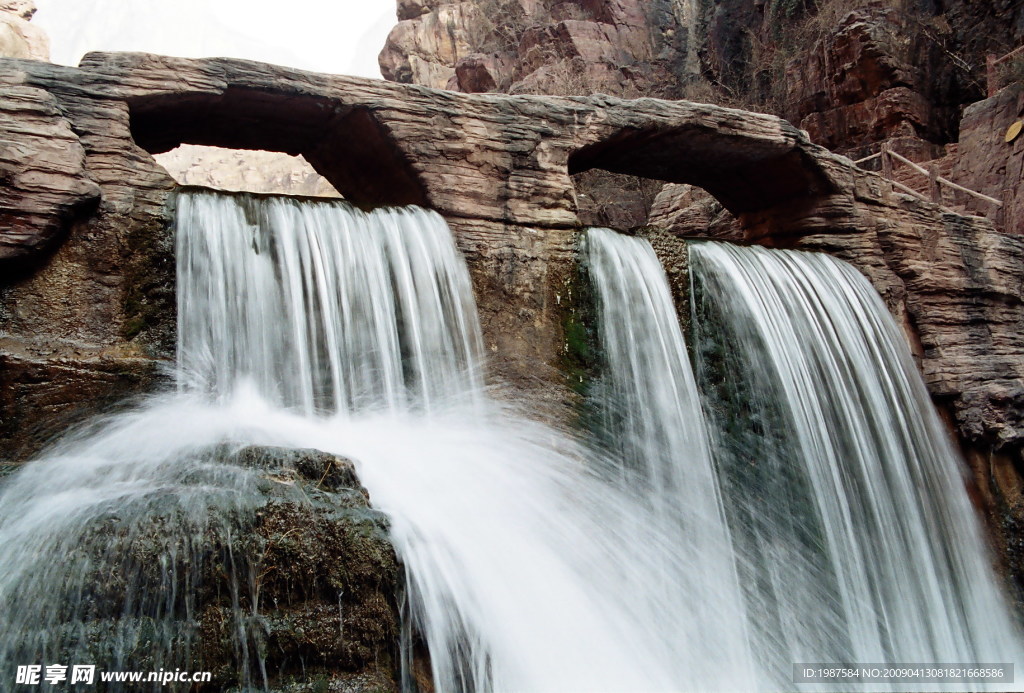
(746, 174)
(345, 144)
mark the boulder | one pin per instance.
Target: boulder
(264, 566)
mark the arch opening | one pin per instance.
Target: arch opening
(346, 145)
(743, 173)
(245, 170)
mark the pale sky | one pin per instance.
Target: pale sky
(336, 36)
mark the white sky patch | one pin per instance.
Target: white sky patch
(334, 36)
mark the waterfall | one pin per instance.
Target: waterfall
(847, 505)
(322, 307)
(650, 417)
(813, 513)
(286, 309)
(314, 325)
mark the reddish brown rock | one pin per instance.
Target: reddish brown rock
(685, 210)
(989, 164)
(427, 43)
(43, 178)
(480, 73)
(620, 47)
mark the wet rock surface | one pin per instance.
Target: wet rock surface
(280, 576)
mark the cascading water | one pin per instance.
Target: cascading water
(321, 307)
(854, 534)
(316, 326)
(313, 308)
(652, 421)
(533, 563)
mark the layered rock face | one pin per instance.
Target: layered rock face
(90, 319)
(619, 47)
(863, 85)
(87, 310)
(853, 75)
(986, 162)
(98, 312)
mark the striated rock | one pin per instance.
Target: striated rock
(685, 210)
(425, 46)
(42, 169)
(499, 168)
(861, 83)
(620, 47)
(867, 54)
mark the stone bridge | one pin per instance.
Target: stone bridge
(86, 256)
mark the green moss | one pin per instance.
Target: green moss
(133, 326)
(148, 302)
(580, 353)
(293, 579)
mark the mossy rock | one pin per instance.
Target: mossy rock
(285, 578)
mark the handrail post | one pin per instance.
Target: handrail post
(887, 167)
(933, 184)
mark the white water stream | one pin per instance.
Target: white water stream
(534, 563)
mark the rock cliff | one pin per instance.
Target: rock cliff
(851, 74)
(619, 47)
(90, 316)
(854, 75)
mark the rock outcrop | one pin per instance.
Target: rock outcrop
(42, 169)
(265, 567)
(854, 75)
(619, 47)
(90, 320)
(497, 167)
